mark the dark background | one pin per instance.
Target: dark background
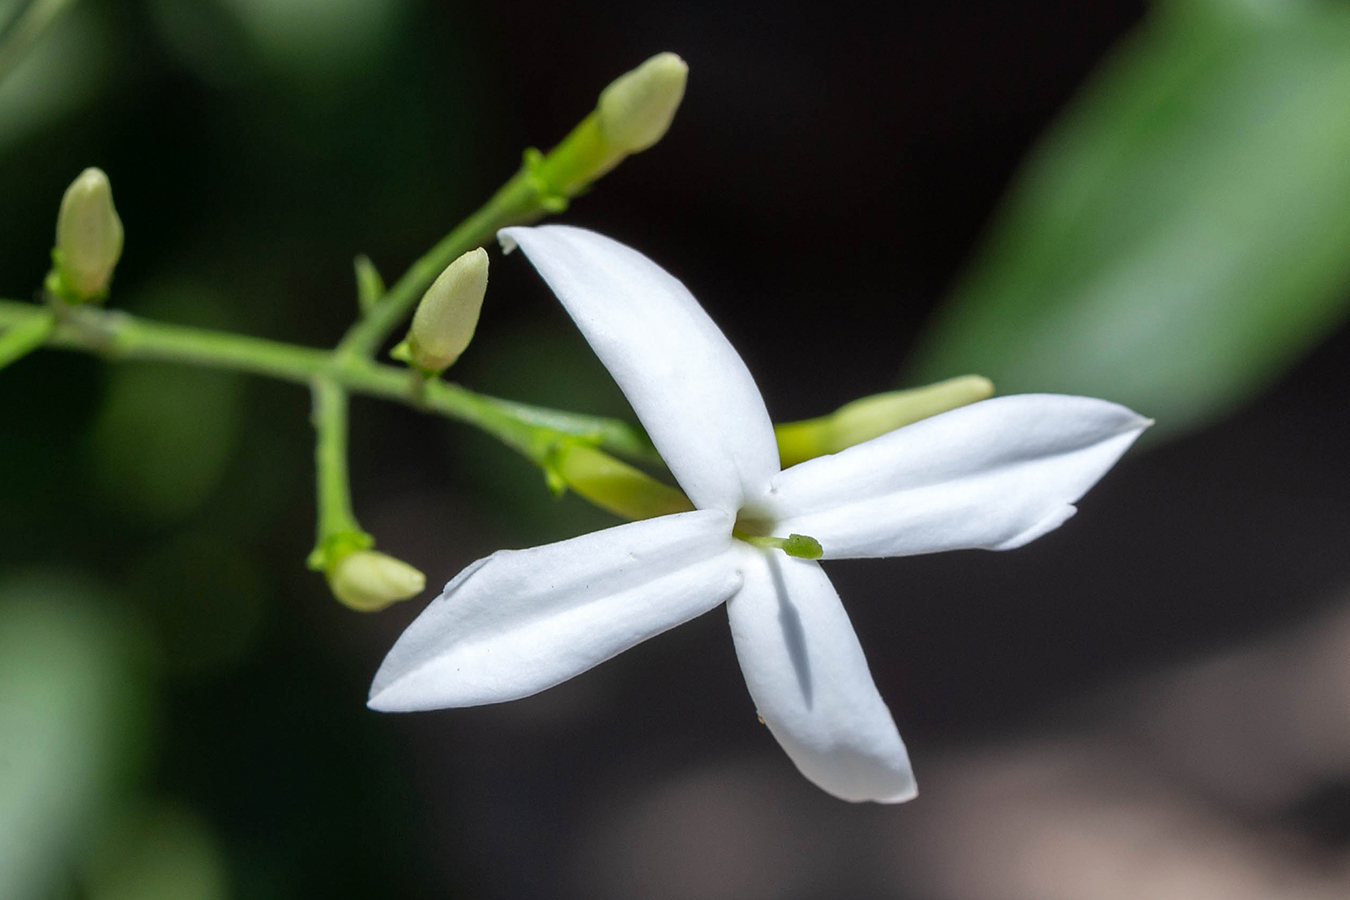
(829, 174)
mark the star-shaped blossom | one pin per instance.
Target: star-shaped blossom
(993, 475)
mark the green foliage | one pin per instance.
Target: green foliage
(60, 71)
(71, 719)
(1183, 234)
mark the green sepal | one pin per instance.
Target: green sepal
(336, 547)
(403, 352)
(550, 197)
(554, 481)
(56, 286)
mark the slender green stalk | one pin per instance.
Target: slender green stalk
(532, 431)
(330, 461)
(23, 33)
(24, 337)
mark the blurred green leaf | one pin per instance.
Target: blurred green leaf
(326, 37)
(64, 70)
(71, 718)
(1183, 234)
(164, 853)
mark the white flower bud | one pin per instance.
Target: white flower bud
(368, 581)
(637, 108)
(88, 237)
(446, 318)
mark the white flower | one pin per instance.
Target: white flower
(994, 474)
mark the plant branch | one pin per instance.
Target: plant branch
(533, 431)
(330, 461)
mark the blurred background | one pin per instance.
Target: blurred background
(1145, 203)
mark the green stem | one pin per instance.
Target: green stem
(25, 30)
(532, 431)
(522, 199)
(330, 461)
(26, 336)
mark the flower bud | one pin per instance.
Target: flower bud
(88, 238)
(368, 581)
(873, 416)
(637, 108)
(447, 316)
(613, 485)
(633, 113)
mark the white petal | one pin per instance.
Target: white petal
(685, 381)
(810, 682)
(994, 474)
(521, 621)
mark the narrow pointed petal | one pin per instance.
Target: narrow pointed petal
(810, 681)
(521, 621)
(684, 380)
(995, 474)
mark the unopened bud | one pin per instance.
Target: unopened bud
(637, 108)
(873, 416)
(613, 485)
(88, 238)
(368, 581)
(446, 318)
(633, 113)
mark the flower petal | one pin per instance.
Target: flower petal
(683, 378)
(810, 682)
(521, 621)
(995, 474)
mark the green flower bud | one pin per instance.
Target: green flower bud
(613, 485)
(636, 110)
(633, 113)
(88, 238)
(368, 581)
(447, 316)
(873, 416)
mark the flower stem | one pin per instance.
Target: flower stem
(330, 461)
(533, 431)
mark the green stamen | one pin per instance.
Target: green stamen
(799, 545)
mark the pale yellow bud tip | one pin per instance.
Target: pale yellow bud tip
(88, 236)
(368, 581)
(446, 318)
(636, 109)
